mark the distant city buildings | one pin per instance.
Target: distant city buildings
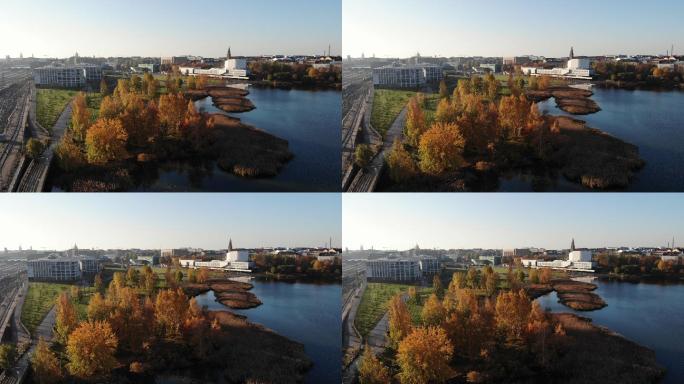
(149, 260)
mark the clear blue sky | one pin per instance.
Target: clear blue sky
(168, 27)
(400, 28)
(169, 220)
(505, 220)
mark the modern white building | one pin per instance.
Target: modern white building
(407, 76)
(67, 77)
(232, 68)
(235, 260)
(55, 268)
(392, 269)
(578, 260)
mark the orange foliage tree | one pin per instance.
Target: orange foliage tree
(106, 141)
(441, 149)
(90, 350)
(424, 356)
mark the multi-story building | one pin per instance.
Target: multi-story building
(67, 77)
(393, 269)
(493, 68)
(429, 265)
(407, 76)
(515, 252)
(149, 260)
(235, 260)
(175, 252)
(516, 60)
(54, 268)
(89, 264)
(149, 67)
(491, 259)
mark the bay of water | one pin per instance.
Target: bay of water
(649, 314)
(303, 312)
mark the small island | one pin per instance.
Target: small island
(233, 294)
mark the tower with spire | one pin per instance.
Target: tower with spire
(572, 52)
(572, 244)
(230, 244)
(228, 55)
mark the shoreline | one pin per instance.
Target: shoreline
(573, 294)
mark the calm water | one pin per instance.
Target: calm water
(309, 120)
(653, 121)
(649, 314)
(307, 313)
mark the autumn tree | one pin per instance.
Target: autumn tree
(544, 82)
(437, 285)
(371, 369)
(69, 155)
(533, 276)
(106, 142)
(491, 87)
(8, 354)
(170, 308)
(545, 276)
(433, 311)
(66, 318)
(172, 110)
(401, 165)
(80, 116)
(203, 275)
(152, 88)
(98, 308)
(46, 366)
(104, 88)
(192, 83)
(202, 82)
(424, 356)
(512, 313)
(472, 278)
(513, 113)
(98, 284)
(446, 112)
(412, 294)
(441, 149)
(443, 90)
(415, 122)
(136, 84)
(363, 154)
(399, 320)
(110, 108)
(463, 88)
(90, 350)
(150, 279)
(34, 148)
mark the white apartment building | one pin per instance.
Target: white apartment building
(578, 260)
(574, 69)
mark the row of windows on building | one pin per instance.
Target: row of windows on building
(67, 77)
(407, 76)
(401, 270)
(62, 269)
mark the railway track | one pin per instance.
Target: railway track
(14, 132)
(32, 176)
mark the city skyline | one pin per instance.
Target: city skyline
(156, 221)
(497, 221)
(500, 28)
(155, 28)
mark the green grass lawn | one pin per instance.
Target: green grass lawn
(387, 104)
(49, 105)
(39, 299)
(416, 307)
(374, 305)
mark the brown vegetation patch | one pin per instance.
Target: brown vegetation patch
(577, 295)
(232, 294)
(595, 354)
(593, 157)
(257, 354)
(247, 151)
(238, 300)
(537, 290)
(571, 100)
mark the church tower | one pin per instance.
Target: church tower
(572, 52)
(230, 244)
(229, 56)
(572, 245)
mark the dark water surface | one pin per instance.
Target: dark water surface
(303, 312)
(649, 314)
(653, 121)
(309, 120)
